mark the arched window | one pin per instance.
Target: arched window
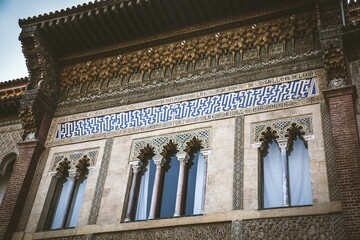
(68, 195)
(6, 168)
(285, 172)
(167, 184)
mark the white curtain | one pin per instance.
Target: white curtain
(141, 208)
(299, 174)
(199, 185)
(272, 177)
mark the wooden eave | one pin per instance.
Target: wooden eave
(116, 26)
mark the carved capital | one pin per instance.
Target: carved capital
(183, 157)
(159, 160)
(136, 166)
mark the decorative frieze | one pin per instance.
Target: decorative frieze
(210, 231)
(198, 53)
(205, 106)
(303, 227)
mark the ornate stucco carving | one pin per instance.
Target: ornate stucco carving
(72, 159)
(43, 89)
(8, 146)
(281, 128)
(180, 141)
(188, 55)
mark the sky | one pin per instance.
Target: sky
(12, 61)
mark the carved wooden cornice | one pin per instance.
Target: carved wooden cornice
(219, 48)
(43, 88)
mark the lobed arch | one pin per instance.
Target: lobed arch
(6, 162)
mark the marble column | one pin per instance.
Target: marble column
(159, 161)
(283, 143)
(136, 167)
(183, 159)
(205, 154)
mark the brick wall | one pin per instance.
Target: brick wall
(20, 181)
(347, 154)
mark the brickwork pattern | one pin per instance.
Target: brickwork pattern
(347, 153)
(20, 182)
(331, 170)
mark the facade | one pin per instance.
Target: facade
(158, 119)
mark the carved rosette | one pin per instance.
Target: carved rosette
(43, 90)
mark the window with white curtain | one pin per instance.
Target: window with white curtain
(286, 178)
(67, 198)
(155, 186)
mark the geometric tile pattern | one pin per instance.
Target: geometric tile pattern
(181, 139)
(238, 163)
(332, 174)
(94, 211)
(205, 106)
(236, 230)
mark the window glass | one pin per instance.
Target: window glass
(64, 186)
(76, 201)
(171, 175)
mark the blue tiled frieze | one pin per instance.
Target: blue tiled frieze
(205, 106)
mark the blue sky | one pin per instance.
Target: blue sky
(12, 62)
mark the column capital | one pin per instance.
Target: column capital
(136, 166)
(283, 143)
(159, 160)
(183, 157)
(330, 93)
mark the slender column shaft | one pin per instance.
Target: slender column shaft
(179, 203)
(136, 166)
(159, 161)
(206, 159)
(72, 179)
(284, 166)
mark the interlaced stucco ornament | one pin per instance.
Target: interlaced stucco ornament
(281, 128)
(181, 141)
(8, 148)
(72, 159)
